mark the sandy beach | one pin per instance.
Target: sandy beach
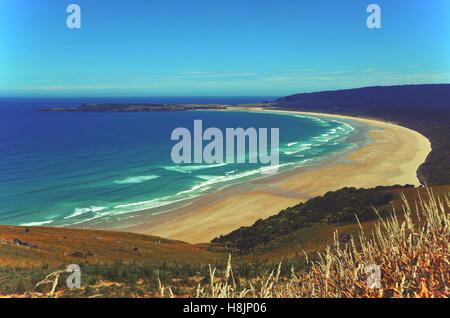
(392, 158)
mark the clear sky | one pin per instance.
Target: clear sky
(219, 47)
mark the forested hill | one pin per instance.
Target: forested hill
(344, 206)
(413, 97)
(424, 108)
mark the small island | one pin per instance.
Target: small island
(134, 108)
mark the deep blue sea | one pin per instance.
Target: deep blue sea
(60, 169)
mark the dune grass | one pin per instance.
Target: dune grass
(410, 249)
(413, 258)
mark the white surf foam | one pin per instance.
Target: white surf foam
(136, 179)
(80, 211)
(190, 168)
(300, 148)
(36, 223)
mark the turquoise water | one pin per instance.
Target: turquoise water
(60, 169)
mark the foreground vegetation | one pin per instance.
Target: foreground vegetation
(411, 249)
(413, 260)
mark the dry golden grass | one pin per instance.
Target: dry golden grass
(57, 245)
(413, 260)
(411, 249)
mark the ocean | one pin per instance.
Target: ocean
(61, 169)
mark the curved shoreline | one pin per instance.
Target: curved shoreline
(358, 138)
(392, 158)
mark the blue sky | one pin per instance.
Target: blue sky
(218, 48)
